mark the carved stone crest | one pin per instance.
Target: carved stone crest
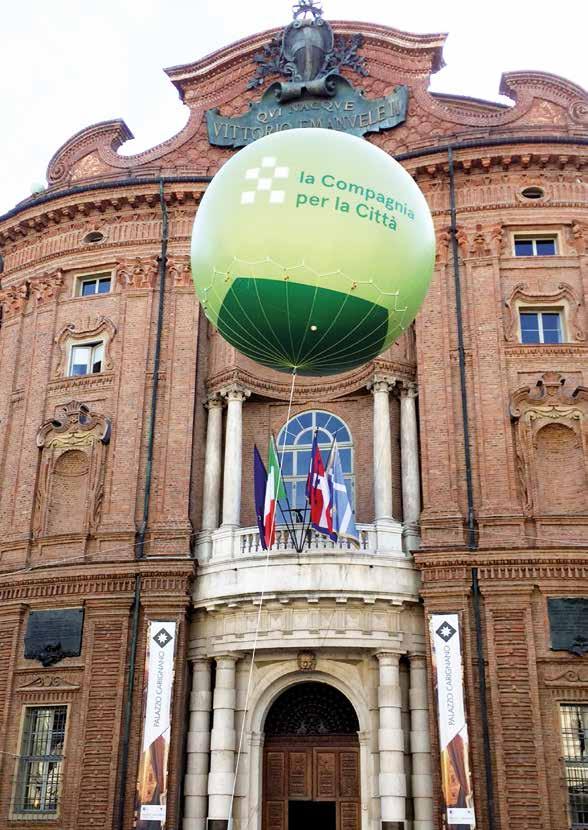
(306, 661)
(306, 53)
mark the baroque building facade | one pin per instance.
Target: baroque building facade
(302, 682)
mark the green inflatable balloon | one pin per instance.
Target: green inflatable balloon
(312, 250)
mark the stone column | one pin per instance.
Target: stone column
(222, 744)
(391, 743)
(420, 745)
(381, 389)
(235, 396)
(409, 453)
(198, 748)
(212, 476)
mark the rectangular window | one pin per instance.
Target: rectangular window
(40, 761)
(535, 246)
(541, 326)
(86, 359)
(96, 284)
(574, 731)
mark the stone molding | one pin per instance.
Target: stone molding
(522, 295)
(530, 411)
(85, 331)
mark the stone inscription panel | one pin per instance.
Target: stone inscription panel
(568, 624)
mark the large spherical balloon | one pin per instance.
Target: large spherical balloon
(312, 250)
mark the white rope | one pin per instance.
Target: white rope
(261, 598)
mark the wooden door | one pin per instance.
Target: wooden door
(311, 770)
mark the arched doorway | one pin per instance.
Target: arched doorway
(311, 761)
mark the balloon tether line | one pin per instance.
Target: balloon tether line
(258, 622)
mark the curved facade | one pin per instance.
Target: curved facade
(127, 428)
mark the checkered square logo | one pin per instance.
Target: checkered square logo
(263, 182)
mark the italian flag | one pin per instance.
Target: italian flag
(274, 490)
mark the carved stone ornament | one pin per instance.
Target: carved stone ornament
(522, 296)
(531, 409)
(138, 273)
(180, 272)
(79, 436)
(306, 53)
(46, 287)
(306, 661)
(13, 299)
(101, 327)
(44, 682)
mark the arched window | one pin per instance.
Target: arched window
(296, 440)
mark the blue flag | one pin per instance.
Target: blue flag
(343, 518)
(259, 484)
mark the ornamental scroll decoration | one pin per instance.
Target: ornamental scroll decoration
(533, 409)
(73, 454)
(521, 295)
(101, 328)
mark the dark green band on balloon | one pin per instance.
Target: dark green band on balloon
(286, 325)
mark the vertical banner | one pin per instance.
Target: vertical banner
(456, 776)
(151, 794)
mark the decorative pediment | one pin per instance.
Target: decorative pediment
(74, 425)
(549, 398)
(523, 295)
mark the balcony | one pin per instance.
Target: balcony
(235, 569)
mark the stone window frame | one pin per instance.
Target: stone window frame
(563, 300)
(533, 236)
(536, 232)
(17, 814)
(87, 276)
(103, 330)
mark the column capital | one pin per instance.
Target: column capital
(408, 389)
(235, 392)
(200, 660)
(390, 658)
(416, 657)
(213, 401)
(382, 383)
(227, 658)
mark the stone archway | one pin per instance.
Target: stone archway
(311, 766)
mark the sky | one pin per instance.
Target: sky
(66, 64)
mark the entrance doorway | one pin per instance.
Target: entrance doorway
(311, 761)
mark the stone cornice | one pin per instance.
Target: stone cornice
(80, 209)
(309, 388)
(500, 568)
(79, 582)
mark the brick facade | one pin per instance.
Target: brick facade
(68, 529)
